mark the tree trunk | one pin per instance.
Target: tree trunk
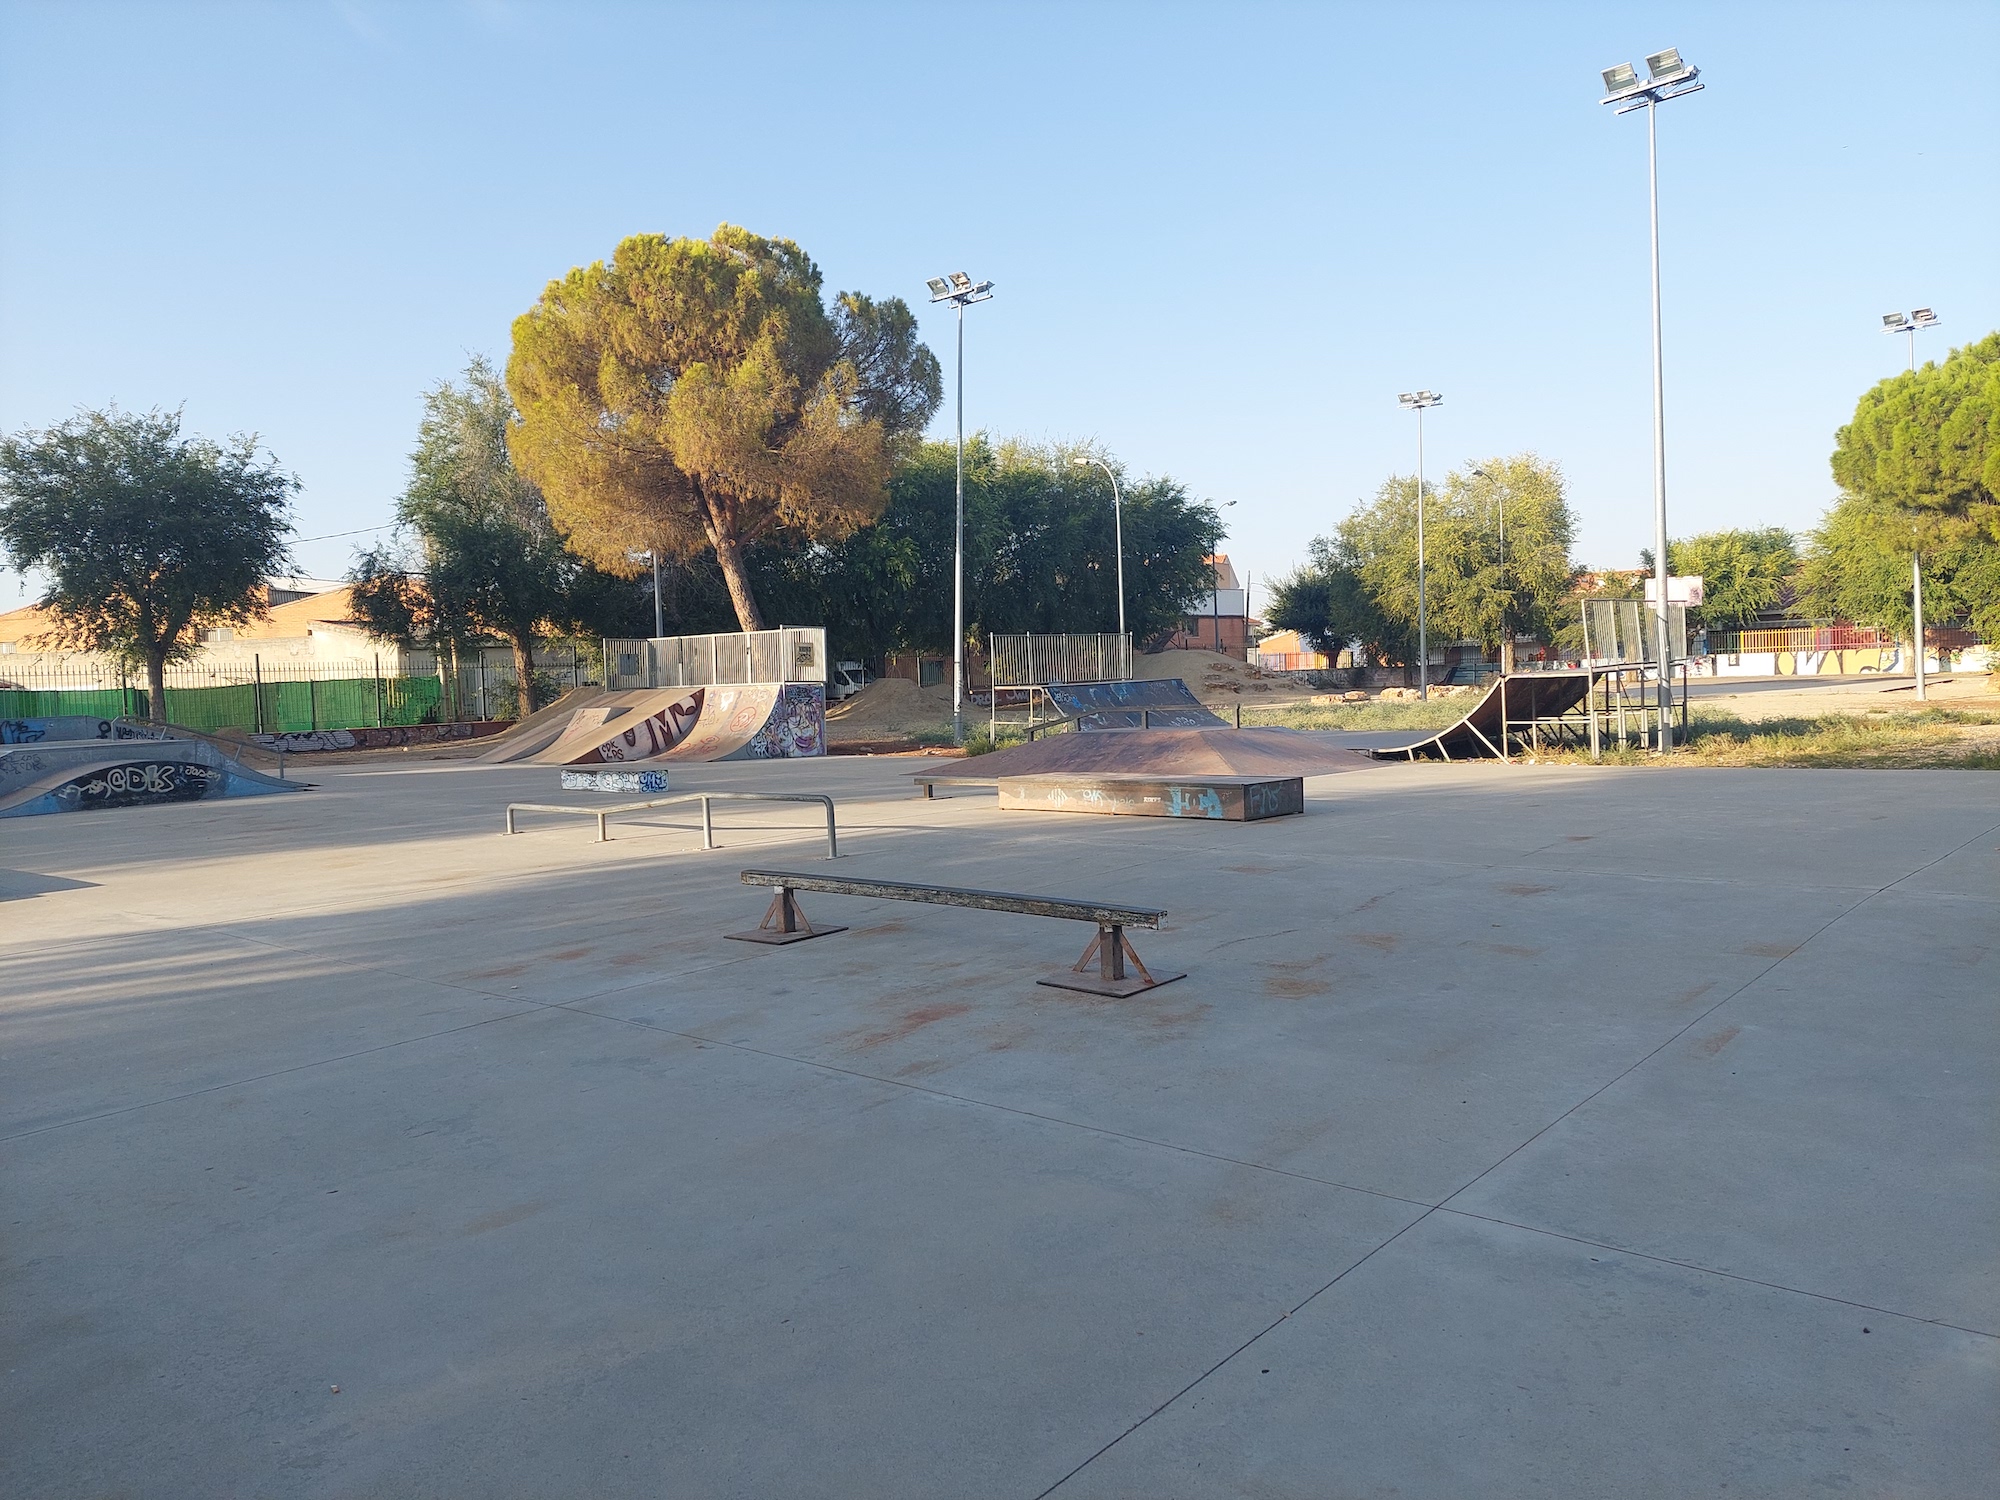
(730, 555)
(156, 687)
(524, 673)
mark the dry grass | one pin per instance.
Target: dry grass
(1390, 715)
(1886, 739)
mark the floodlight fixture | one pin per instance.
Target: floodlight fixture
(959, 288)
(1912, 323)
(1666, 66)
(1419, 400)
(1669, 75)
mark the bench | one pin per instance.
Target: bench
(1111, 948)
(603, 814)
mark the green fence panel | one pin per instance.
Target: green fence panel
(231, 706)
(104, 703)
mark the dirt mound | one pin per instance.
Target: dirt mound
(1216, 678)
(890, 707)
(1176, 752)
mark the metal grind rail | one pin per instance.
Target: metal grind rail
(1111, 948)
(604, 814)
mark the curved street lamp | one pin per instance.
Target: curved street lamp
(1085, 461)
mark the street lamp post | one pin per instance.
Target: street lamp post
(961, 291)
(1421, 402)
(1215, 579)
(659, 616)
(1506, 597)
(1668, 77)
(1914, 323)
(1084, 461)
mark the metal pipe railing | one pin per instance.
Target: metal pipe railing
(603, 814)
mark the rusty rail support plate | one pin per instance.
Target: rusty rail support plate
(1111, 948)
(783, 923)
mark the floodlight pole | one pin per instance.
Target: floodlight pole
(1910, 326)
(1662, 610)
(1419, 402)
(1423, 604)
(1670, 77)
(659, 616)
(958, 557)
(960, 290)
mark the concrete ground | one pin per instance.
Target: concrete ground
(1517, 1132)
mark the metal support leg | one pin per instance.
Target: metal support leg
(1111, 948)
(783, 923)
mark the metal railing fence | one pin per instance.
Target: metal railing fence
(792, 653)
(1033, 660)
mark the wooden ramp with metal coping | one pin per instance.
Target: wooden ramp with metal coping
(1526, 712)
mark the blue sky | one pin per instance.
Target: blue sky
(1224, 237)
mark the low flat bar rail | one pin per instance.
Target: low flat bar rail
(1111, 948)
(603, 814)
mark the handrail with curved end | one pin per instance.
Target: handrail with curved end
(603, 814)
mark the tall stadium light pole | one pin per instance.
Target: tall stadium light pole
(961, 291)
(1084, 461)
(1668, 77)
(1914, 323)
(1421, 402)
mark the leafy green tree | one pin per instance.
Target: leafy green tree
(1857, 567)
(487, 561)
(1927, 444)
(698, 395)
(1919, 470)
(1496, 556)
(1329, 605)
(1507, 568)
(148, 538)
(1742, 572)
(1039, 554)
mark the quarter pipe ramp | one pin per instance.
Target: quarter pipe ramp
(754, 721)
(1524, 708)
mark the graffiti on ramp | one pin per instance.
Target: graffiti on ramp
(650, 737)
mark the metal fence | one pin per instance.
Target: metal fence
(1034, 660)
(792, 653)
(284, 695)
(1616, 630)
